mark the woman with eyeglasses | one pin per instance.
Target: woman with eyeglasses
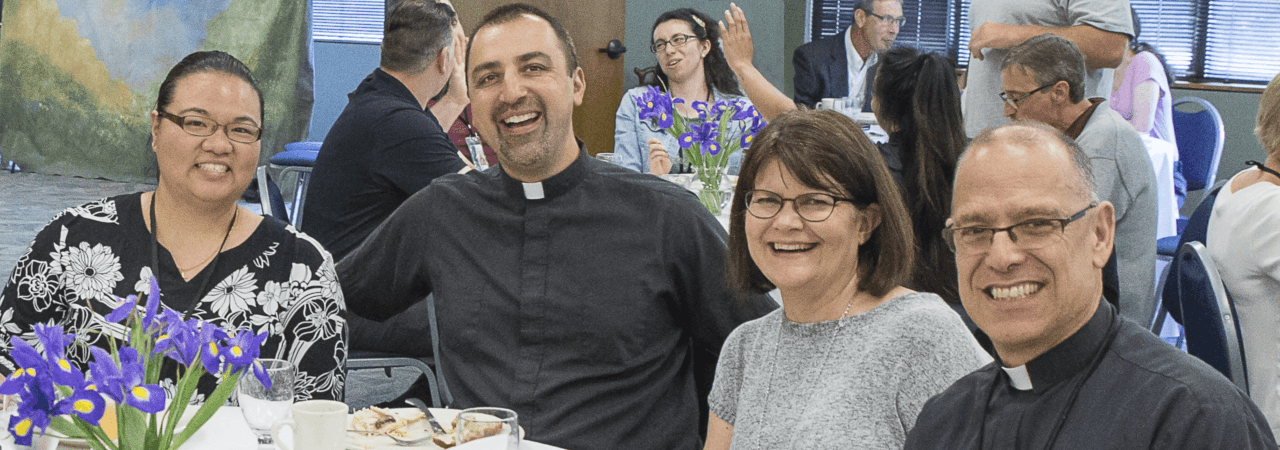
(213, 260)
(691, 67)
(852, 356)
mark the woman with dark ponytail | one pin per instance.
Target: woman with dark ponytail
(692, 67)
(917, 101)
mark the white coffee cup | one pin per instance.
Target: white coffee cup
(317, 425)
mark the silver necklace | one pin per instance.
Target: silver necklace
(764, 410)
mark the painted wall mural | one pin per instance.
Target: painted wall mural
(79, 77)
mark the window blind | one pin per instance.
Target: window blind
(1241, 40)
(347, 20)
(1203, 40)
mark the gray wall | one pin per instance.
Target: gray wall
(767, 18)
(1239, 112)
(339, 68)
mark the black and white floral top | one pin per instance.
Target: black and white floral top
(279, 281)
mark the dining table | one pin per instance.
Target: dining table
(227, 430)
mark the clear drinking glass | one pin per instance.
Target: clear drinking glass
(264, 407)
(497, 426)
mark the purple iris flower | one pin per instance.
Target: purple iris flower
(179, 340)
(127, 305)
(744, 111)
(153, 305)
(654, 104)
(711, 148)
(123, 382)
(747, 138)
(32, 366)
(243, 348)
(29, 418)
(212, 347)
(701, 108)
(55, 344)
(702, 134)
(84, 403)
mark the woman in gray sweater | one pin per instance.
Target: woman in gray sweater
(852, 355)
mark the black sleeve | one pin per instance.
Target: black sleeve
(388, 271)
(709, 309)
(806, 83)
(34, 293)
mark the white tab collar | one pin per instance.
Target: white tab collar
(533, 191)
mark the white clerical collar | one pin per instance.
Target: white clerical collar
(1018, 377)
(533, 191)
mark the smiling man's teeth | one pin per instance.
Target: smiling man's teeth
(214, 167)
(520, 118)
(1019, 291)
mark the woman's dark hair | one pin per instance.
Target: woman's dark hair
(1138, 47)
(201, 62)
(826, 150)
(918, 97)
(715, 68)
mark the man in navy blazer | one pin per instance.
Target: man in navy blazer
(843, 66)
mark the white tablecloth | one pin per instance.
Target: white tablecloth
(226, 430)
(1163, 155)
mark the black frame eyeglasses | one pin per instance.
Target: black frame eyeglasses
(812, 207)
(1014, 101)
(244, 133)
(678, 40)
(1027, 235)
(900, 20)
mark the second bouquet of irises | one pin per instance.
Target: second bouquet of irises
(720, 129)
(53, 393)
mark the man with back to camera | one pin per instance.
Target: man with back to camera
(1101, 28)
(385, 146)
(588, 298)
(844, 66)
(1043, 80)
(1031, 237)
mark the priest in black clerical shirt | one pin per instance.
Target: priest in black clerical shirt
(1031, 238)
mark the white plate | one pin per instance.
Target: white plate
(357, 441)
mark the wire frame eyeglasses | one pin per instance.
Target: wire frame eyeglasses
(899, 20)
(812, 207)
(1013, 101)
(1028, 235)
(244, 133)
(677, 40)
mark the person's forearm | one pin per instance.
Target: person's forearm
(447, 111)
(766, 97)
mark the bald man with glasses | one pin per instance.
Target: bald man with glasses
(1031, 237)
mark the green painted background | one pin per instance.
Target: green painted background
(51, 123)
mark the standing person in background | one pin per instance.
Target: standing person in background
(691, 67)
(1100, 28)
(843, 66)
(1244, 240)
(1142, 94)
(917, 101)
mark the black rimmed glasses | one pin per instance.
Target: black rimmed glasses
(1028, 235)
(677, 40)
(244, 133)
(899, 20)
(812, 207)
(1013, 101)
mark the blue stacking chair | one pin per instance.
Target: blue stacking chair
(1200, 134)
(1195, 296)
(297, 158)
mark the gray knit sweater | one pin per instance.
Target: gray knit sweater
(788, 385)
